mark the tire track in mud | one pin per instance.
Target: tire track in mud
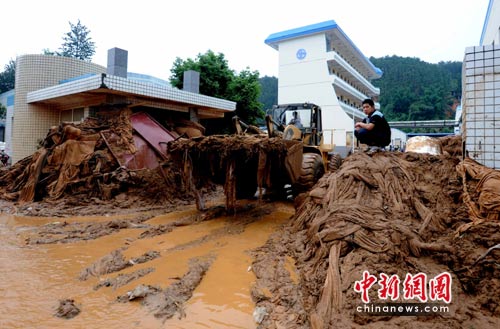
(165, 303)
(115, 261)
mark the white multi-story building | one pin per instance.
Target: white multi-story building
(319, 64)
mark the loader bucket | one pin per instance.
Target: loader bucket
(244, 164)
(293, 160)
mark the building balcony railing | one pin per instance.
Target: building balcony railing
(347, 88)
(334, 56)
(352, 111)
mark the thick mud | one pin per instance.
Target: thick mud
(362, 237)
(181, 269)
(392, 215)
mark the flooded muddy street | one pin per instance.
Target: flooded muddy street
(146, 253)
(51, 263)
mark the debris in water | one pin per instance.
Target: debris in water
(67, 309)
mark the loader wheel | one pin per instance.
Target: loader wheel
(335, 162)
(312, 170)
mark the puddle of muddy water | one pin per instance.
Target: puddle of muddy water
(35, 277)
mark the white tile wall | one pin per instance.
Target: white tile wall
(481, 104)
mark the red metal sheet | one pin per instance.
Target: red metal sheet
(144, 157)
(153, 132)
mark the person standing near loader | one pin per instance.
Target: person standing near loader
(374, 130)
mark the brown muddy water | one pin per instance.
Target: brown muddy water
(34, 278)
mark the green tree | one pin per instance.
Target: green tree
(77, 43)
(218, 80)
(47, 51)
(8, 77)
(269, 91)
(245, 89)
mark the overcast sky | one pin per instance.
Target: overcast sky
(156, 32)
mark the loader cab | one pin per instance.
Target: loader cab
(301, 121)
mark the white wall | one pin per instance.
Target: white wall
(491, 26)
(398, 138)
(308, 80)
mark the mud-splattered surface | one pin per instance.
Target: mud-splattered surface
(390, 214)
(178, 269)
(123, 263)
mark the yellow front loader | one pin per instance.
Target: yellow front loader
(283, 161)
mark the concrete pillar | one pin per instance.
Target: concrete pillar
(191, 83)
(117, 62)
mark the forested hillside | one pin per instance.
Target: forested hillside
(268, 91)
(410, 89)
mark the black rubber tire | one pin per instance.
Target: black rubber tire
(312, 170)
(335, 162)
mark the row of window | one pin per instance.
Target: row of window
(347, 80)
(73, 115)
(349, 102)
(78, 114)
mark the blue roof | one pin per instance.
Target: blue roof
(275, 38)
(300, 31)
(147, 78)
(83, 76)
(487, 18)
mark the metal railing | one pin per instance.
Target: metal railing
(423, 124)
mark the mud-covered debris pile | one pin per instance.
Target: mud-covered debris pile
(79, 162)
(241, 163)
(392, 214)
(451, 145)
(165, 303)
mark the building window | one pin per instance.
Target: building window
(67, 116)
(93, 111)
(78, 114)
(73, 115)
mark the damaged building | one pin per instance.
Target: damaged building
(50, 90)
(82, 129)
